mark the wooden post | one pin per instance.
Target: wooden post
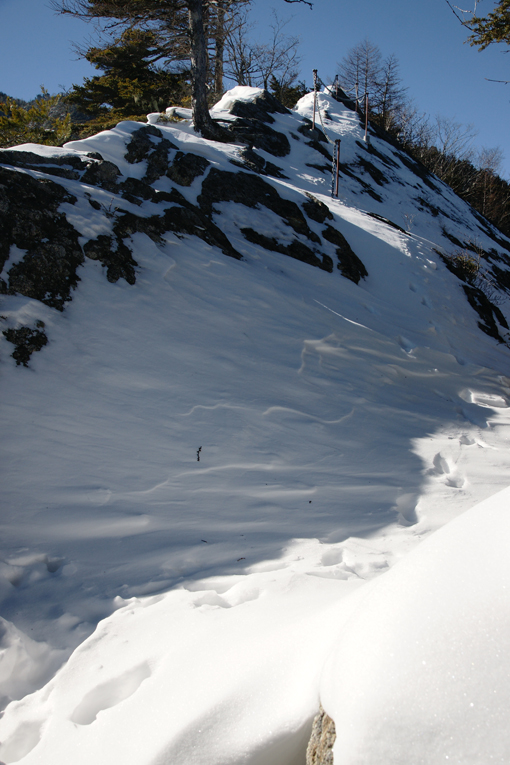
(337, 151)
(366, 116)
(314, 96)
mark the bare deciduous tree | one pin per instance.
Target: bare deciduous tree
(361, 69)
(254, 63)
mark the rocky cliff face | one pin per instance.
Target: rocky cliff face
(41, 250)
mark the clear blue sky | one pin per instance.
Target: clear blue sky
(443, 75)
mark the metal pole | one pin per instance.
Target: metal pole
(357, 96)
(366, 115)
(337, 150)
(314, 96)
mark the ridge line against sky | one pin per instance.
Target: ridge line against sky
(443, 74)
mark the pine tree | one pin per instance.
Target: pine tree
(132, 84)
(180, 28)
(287, 93)
(494, 28)
(38, 122)
(183, 26)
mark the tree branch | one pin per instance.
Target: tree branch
(305, 2)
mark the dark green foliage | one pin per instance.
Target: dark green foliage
(27, 341)
(132, 83)
(287, 94)
(494, 28)
(37, 122)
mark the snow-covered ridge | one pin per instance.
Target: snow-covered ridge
(272, 398)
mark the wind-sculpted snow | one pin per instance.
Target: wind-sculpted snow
(220, 451)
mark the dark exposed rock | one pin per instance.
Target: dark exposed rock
(142, 146)
(182, 218)
(136, 191)
(493, 254)
(316, 138)
(186, 167)
(93, 170)
(26, 341)
(103, 174)
(295, 249)
(365, 187)
(368, 146)
(157, 161)
(115, 256)
(496, 236)
(29, 220)
(93, 202)
(418, 169)
(310, 132)
(46, 273)
(65, 166)
(502, 278)
(373, 171)
(256, 133)
(251, 190)
(350, 265)
(192, 221)
(252, 126)
(432, 208)
(250, 160)
(325, 169)
(388, 222)
(489, 313)
(17, 158)
(320, 746)
(453, 239)
(260, 108)
(274, 170)
(316, 210)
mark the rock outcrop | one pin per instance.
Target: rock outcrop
(320, 746)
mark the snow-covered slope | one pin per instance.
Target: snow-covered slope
(272, 398)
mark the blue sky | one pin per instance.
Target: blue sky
(443, 75)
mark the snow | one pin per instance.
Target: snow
(239, 93)
(436, 677)
(326, 542)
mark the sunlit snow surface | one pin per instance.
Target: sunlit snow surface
(338, 426)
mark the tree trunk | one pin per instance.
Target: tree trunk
(200, 111)
(219, 52)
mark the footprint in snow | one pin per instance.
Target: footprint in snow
(444, 467)
(109, 694)
(441, 464)
(405, 344)
(25, 738)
